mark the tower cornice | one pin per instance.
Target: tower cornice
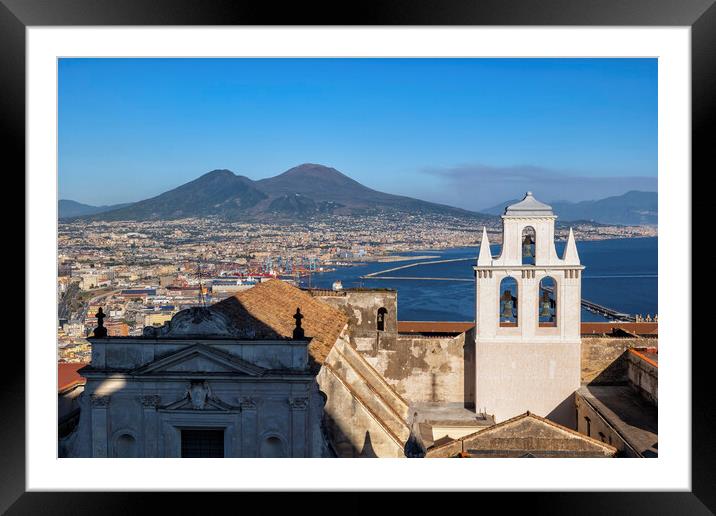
(528, 267)
(530, 217)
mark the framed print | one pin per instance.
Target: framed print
(418, 234)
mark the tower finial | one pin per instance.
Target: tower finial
(570, 256)
(485, 256)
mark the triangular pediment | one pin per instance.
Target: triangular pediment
(200, 358)
(526, 425)
(531, 432)
(185, 404)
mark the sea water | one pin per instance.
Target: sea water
(620, 273)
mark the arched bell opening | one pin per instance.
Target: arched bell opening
(380, 319)
(529, 245)
(547, 305)
(509, 312)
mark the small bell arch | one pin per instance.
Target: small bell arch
(380, 318)
(529, 245)
(509, 309)
(547, 304)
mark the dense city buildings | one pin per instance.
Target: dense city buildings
(145, 272)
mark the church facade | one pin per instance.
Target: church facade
(200, 386)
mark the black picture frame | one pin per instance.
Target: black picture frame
(16, 15)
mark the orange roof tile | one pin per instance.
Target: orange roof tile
(648, 355)
(67, 375)
(641, 328)
(434, 326)
(269, 308)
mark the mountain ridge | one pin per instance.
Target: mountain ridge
(311, 189)
(632, 208)
(303, 191)
(68, 208)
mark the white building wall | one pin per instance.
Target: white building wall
(528, 367)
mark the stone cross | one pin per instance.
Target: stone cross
(298, 331)
(100, 331)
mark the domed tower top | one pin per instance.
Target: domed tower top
(528, 229)
(529, 207)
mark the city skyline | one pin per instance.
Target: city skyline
(427, 128)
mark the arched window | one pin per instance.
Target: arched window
(272, 447)
(125, 446)
(529, 246)
(547, 305)
(508, 302)
(380, 321)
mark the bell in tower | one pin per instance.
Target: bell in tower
(528, 246)
(546, 304)
(508, 302)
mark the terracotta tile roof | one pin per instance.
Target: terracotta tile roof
(642, 328)
(269, 308)
(649, 355)
(67, 375)
(433, 327)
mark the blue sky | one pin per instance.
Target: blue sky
(466, 132)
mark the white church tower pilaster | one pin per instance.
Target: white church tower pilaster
(528, 318)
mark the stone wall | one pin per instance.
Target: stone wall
(442, 369)
(592, 424)
(435, 369)
(419, 368)
(363, 416)
(643, 377)
(604, 359)
(361, 307)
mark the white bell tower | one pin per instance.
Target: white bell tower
(528, 301)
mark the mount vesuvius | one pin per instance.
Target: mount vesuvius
(301, 192)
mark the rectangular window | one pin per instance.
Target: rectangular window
(589, 426)
(202, 442)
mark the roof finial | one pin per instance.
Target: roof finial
(100, 331)
(529, 194)
(298, 331)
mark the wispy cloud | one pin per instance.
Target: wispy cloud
(477, 186)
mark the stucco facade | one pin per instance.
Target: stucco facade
(144, 396)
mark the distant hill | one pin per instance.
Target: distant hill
(67, 208)
(300, 205)
(630, 209)
(302, 191)
(328, 185)
(219, 192)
